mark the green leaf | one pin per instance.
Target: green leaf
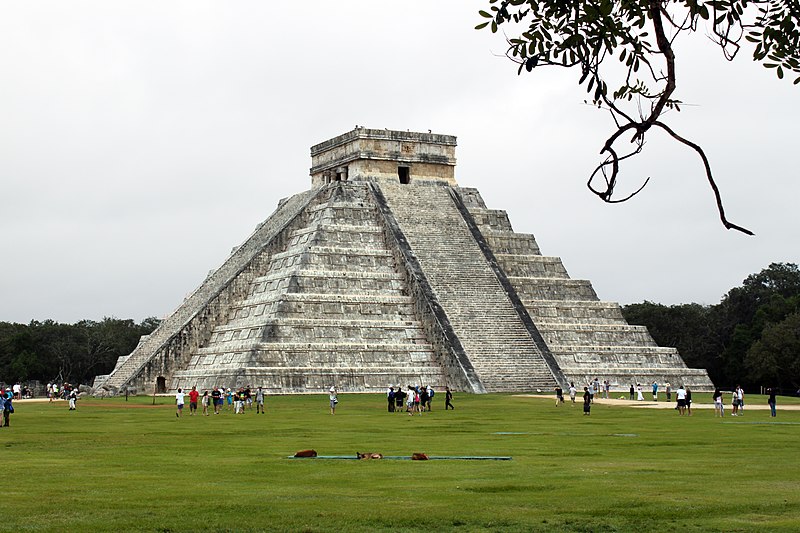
(481, 25)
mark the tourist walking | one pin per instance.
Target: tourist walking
(205, 401)
(559, 395)
(260, 401)
(771, 402)
(179, 402)
(216, 399)
(639, 395)
(655, 391)
(333, 399)
(719, 407)
(688, 401)
(587, 402)
(193, 395)
(448, 399)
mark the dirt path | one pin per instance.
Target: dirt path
(667, 405)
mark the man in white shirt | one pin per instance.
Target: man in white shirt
(681, 395)
(179, 401)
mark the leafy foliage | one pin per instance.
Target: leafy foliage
(632, 41)
(751, 337)
(68, 352)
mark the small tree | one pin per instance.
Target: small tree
(639, 34)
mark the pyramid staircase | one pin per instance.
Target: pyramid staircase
(331, 309)
(589, 338)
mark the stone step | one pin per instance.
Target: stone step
(531, 288)
(535, 266)
(595, 334)
(490, 219)
(586, 312)
(506, 242)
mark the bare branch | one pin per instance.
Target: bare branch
(709, 176)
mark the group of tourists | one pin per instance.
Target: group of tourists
(18, 391)
(415, 398)
(737, 402)
(214, 401)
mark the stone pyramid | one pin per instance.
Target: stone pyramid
(386, 273)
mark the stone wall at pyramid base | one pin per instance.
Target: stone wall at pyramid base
(300, 380)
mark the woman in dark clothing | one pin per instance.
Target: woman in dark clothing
(587, 401)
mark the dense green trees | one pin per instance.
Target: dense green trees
(752, 337)
(74, 353)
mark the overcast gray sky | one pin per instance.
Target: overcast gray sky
(141, 141)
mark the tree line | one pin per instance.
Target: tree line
(49, 351)
(751, 338)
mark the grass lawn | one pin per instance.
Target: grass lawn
(131, 466)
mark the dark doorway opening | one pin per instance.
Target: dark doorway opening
(404, 173)
(161, 385)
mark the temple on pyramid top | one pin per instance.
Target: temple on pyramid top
(363, 282)
(385, 155)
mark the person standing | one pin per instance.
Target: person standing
(205, 401)
(73, 400)
(430, 392)
(6, 406)
(632, 391)
(193, 395)
(680, 394)
(333, 398)
(735, 401)
(559, 395)
(740, 394)
(179, 402)
(655, 391)
(448, 399)
(390, 398)
(423, 398)
(688, 401)
(719, 407)
(668, 390)
(572, 391)
(771, 402)
(399, 396)
(587, 402)
(410, 400)
(260, 401)
(216, 399)
(639, 395)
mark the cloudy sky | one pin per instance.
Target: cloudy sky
(141, 141)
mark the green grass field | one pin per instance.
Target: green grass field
(132, 466)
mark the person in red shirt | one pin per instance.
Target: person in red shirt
(193, 395)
